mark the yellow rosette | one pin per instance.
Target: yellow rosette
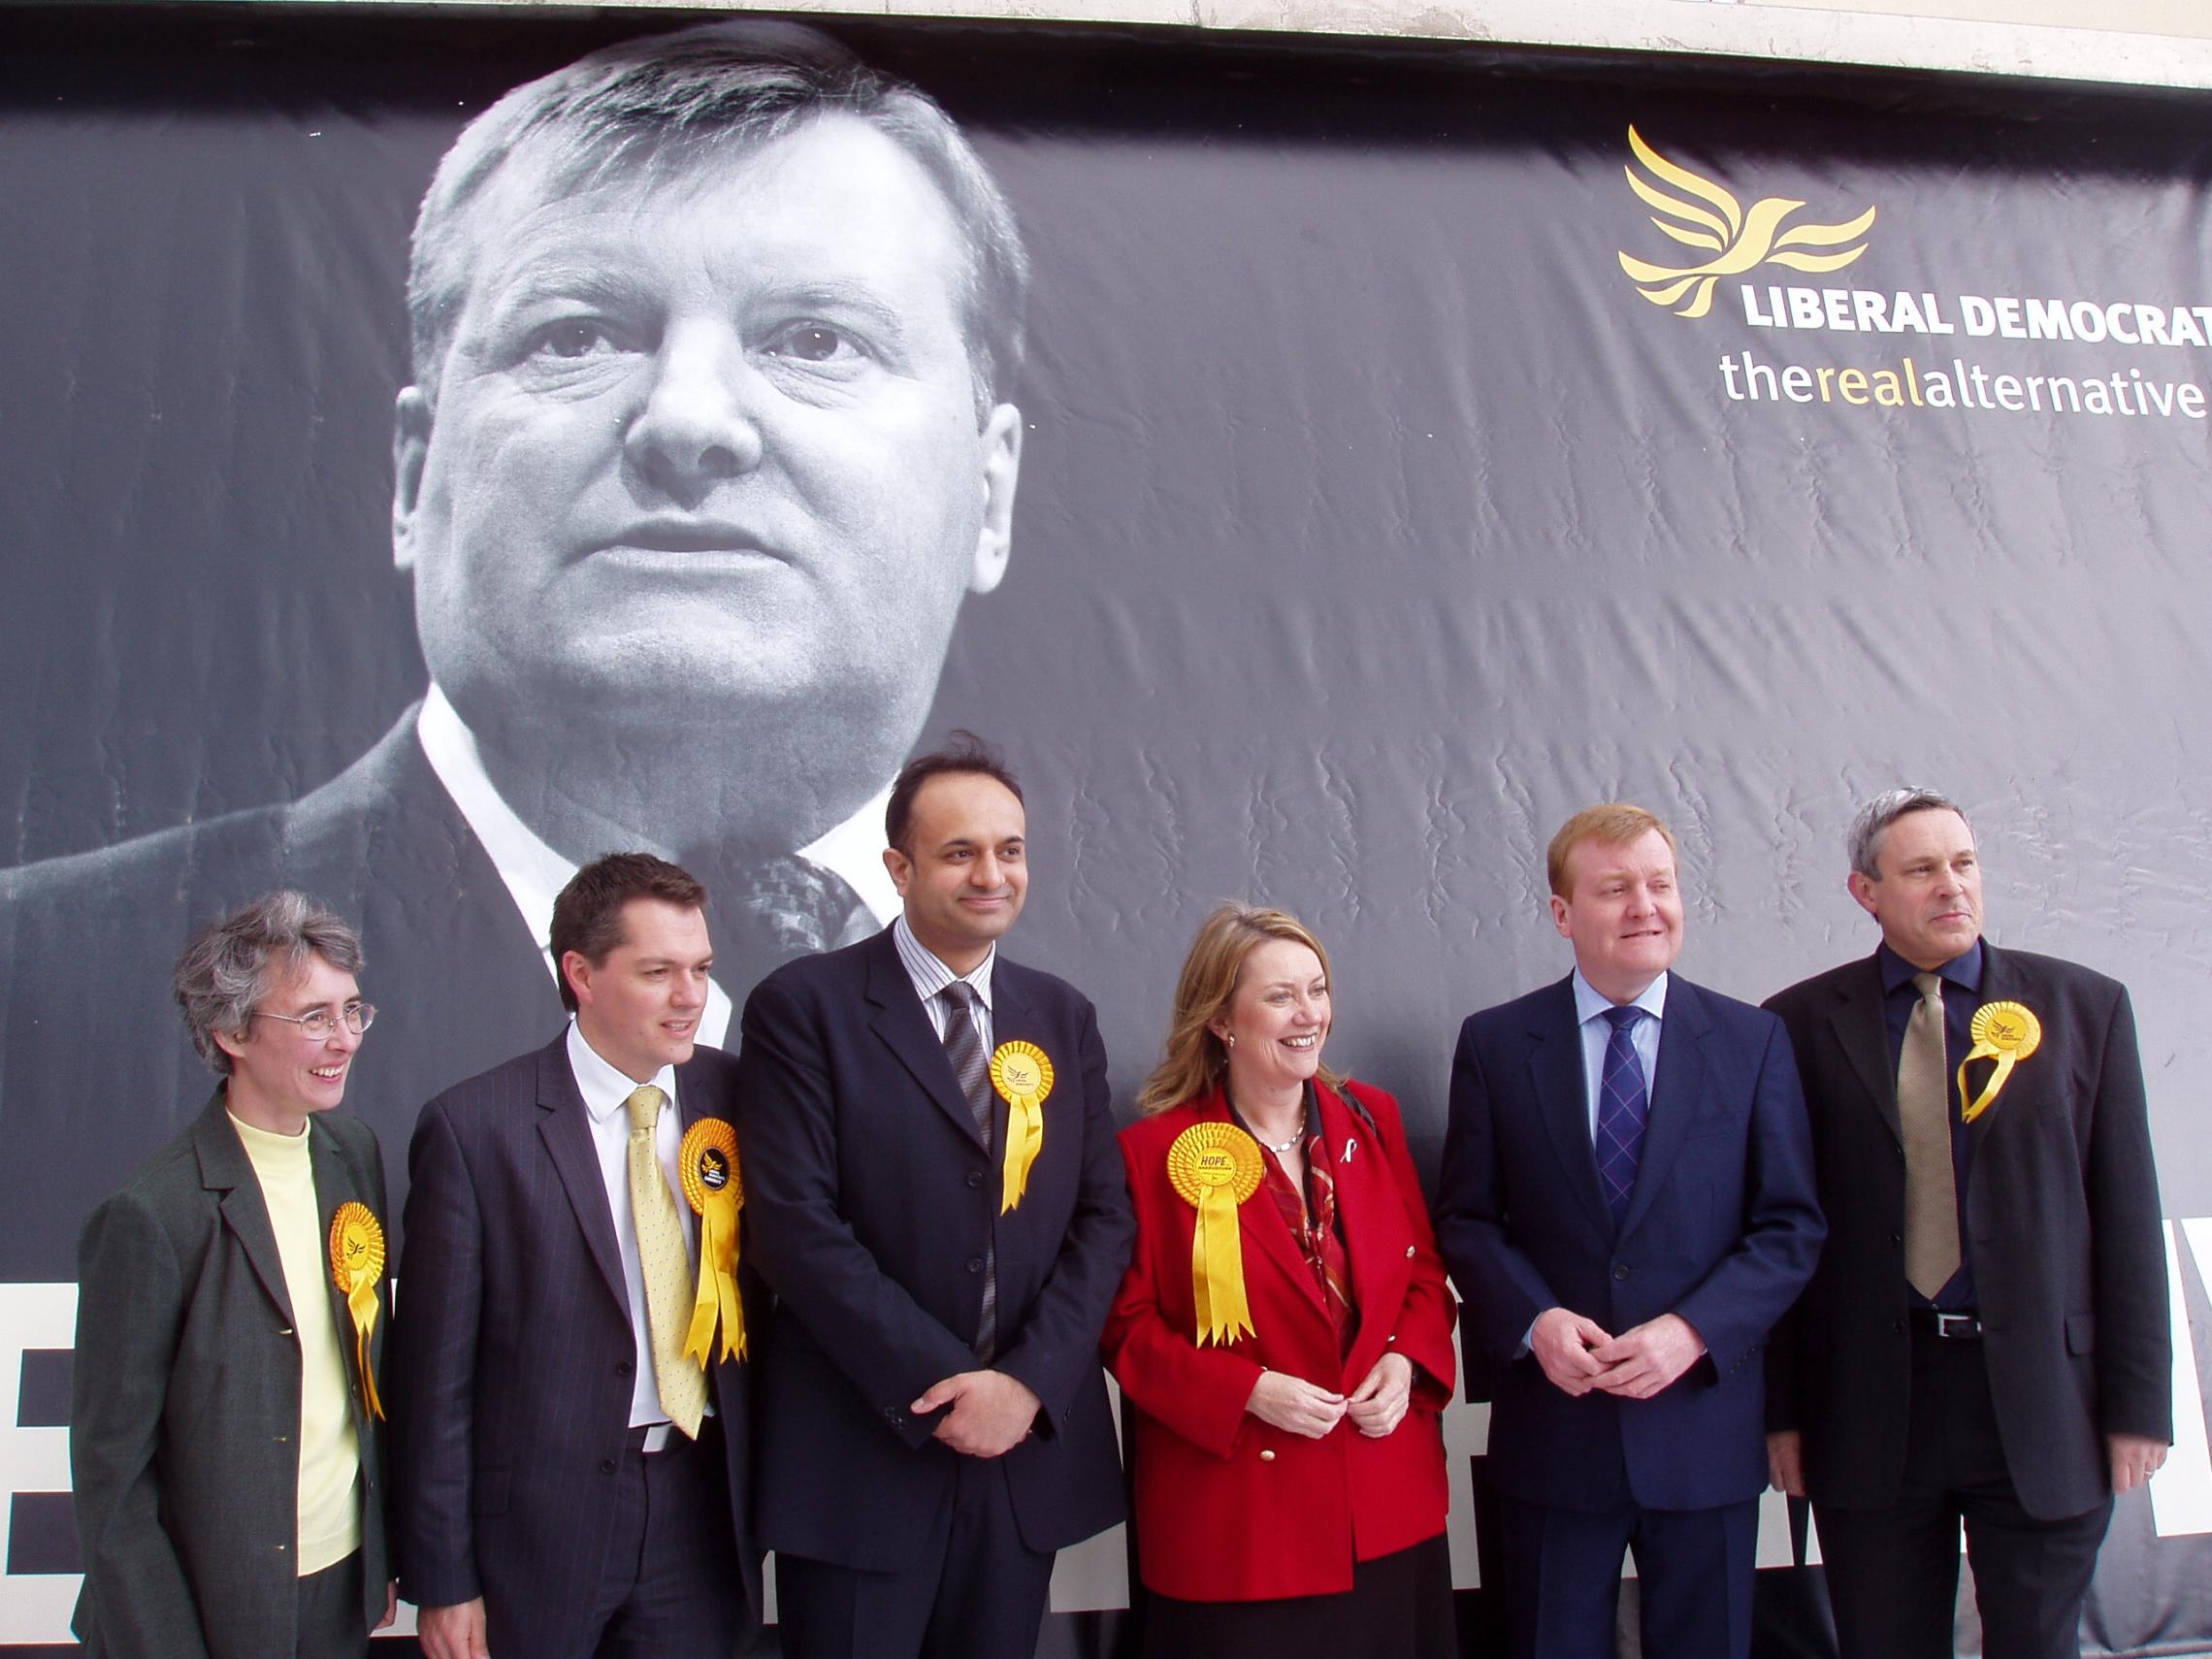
(2005, 1032)
(708, 1162)
(1023, 1077)
(1215, 1167)
(357, 1268)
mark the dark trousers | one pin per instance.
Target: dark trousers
(974, 1592)
(330, 1621)
(1892, 1574)
(1562, 1579)
(670, 1587)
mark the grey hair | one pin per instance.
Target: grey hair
(1863, 842)
(666, 101)
(235, 961)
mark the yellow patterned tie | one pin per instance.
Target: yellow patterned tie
(666, 1267)
(1923, 1113)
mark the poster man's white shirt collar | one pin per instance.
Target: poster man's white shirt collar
(535, 874)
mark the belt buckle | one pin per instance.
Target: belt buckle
(1955, 1326)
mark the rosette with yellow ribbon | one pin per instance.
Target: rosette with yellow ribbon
(708, 1163)
(2005, 1032)
(1023, 1077)
(357, 1268)
(1215, 1167)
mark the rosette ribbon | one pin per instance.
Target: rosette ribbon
(708, 1162)
(1023, 1077)
(2005, 1032)
(357, 1268)
(1215, 1167)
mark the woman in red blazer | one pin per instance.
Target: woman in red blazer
(1290, 1476)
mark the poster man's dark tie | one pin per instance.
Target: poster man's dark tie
(772, 908)
(1924, 1116)
(963, 1047)
(1623, 1108)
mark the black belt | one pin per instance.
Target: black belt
(1950, 1327)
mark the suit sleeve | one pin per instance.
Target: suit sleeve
(129, 1313)
(2134, 1340)
(432, 1366)
(1056, 1349)
(1199, 1393)
(1503, 1288)
(867, 1324)
(1422, 1329)
(1736, 1305)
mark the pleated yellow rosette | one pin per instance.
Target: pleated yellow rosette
(357, 1268)
(708, 1163)
(2005, 1032)
(1215, 1167)
(1023, 1077)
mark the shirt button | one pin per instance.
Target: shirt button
(1267, 1457)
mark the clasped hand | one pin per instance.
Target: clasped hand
(1301, 1408)
(991, 1411)
(1578, 1353)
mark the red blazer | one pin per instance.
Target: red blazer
(1230, 1509)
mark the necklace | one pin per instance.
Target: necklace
(1297, 1135)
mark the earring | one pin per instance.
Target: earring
(1231, 1038)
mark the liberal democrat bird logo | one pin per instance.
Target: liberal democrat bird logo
(1737, 240)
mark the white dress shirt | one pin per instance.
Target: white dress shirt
(931, 977)
(535, 874)
(606, 1095)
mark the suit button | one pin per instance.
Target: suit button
(607, 1466)
(283, 1330)
(1896, 1238)
(1267, 1457)
(624, 1367)
(1409, 1253)
(1621, 1272)
(280, 1549)
(283, 1440)
(975, 1264)
(975, 1178)
(1899, 1327)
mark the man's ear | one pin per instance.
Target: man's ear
(901, 867)
(410, 446)
(1862, 888)
(577, 969)
(1001, 441)
(1559, 916)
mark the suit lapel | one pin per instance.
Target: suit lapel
(334, 1185)
(1678, 1082)
(2001, 982)
(906, 1031)
(225, 1168)
(1365, 1189)
(1863, 1033)
(566, 1130)
(1563, 1096)
(1261, 1229)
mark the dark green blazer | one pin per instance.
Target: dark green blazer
(184, 1410)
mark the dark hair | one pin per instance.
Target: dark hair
(963, 752)
(666, 101)
(237, 959)
(587, 916)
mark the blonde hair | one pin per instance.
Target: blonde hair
(1614, 824)
(1195, 1057)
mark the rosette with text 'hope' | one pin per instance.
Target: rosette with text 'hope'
(1215, 1167)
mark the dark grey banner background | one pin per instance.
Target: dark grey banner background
(1370, 522)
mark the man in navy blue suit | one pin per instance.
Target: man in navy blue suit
(934, 1194)
(1627, 1207)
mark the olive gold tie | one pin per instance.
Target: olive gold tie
(666, 1266)
(1923, 1113)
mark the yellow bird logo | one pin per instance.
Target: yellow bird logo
(1716, 222)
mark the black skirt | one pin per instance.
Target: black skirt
(1399, 1606)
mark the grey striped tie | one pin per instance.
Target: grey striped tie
(963, 1047)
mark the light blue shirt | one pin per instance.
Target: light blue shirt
(1643, 1035)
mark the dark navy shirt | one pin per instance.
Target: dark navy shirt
(1962, 979)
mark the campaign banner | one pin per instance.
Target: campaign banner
(1384, 450)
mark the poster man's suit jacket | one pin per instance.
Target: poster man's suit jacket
(2063, 1214)
(1721, 1228)
(870, 1201)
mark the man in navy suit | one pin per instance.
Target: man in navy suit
(934, 1194)
(1987, 1340)
(1627, 1207)
(569, 1483)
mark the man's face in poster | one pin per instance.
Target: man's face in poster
(707, 445)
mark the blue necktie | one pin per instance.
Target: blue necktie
(1622, 1107)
